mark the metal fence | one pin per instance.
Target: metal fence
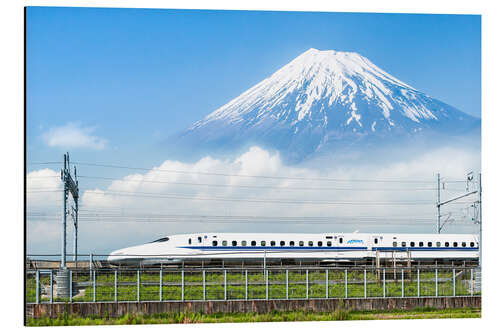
(122, 285)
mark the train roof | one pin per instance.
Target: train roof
(276, 234)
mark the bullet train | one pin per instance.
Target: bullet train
(326, 247)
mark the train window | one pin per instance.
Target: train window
(273, 243)
(375, 240)
(224, 243)
(301, 243)
(446, 244)
(165, 239)
(464, 244)
(199, 239)
(234, 243)
(214, 243)
(412, 244)
(254, 243)
(262, 243)
(189, 240)
(310, 243)
(243, 243)
(292, 243)
(329, 237)
(429, 244)
(420, 244)
(282, 243)
(403, 244)
(329, 243)
(341, 240)
(438, 244)
(320, 243)
(455, 244)
(471, 244)
(394, 244)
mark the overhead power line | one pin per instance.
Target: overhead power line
(258, 187)
(253, 221)
(215, 219)
(258, 200)
(92, 213)
(378, 189)
(36, 177)
(43, 163)
(252, 176)
(373, 180)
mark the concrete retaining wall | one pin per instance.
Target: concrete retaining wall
(259, 306)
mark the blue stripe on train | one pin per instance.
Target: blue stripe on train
(389, 248)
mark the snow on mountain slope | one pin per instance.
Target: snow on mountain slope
(322, 97)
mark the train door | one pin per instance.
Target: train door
(374, 243)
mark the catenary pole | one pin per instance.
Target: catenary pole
(480, 222)
(438, 204)
(69, 185)
(75, 223)
(63, 231)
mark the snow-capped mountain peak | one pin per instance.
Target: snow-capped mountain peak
(328, 78)
(322, 96)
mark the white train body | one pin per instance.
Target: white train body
(299, 246)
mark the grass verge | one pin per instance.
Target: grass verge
(188, 318)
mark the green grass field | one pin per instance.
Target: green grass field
(149, 289)
(187, 318)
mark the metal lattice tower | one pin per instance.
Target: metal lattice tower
(71, 186)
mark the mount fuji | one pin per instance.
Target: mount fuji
(325, 102)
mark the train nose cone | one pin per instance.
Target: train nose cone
(115, 256)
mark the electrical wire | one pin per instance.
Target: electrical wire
(258, 187)
(251, 176)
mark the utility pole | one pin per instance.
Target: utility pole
(480, 222)
(471, 189)
(438, 204)
(74, 215)
(442, 203)
(75, 224)
(69, 185)
(63, 231)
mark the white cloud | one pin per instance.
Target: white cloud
(73, 135)
(43, 210)
(43, 188)
(141, 206)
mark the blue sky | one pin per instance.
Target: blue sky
(111, 85)
(133, 77)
